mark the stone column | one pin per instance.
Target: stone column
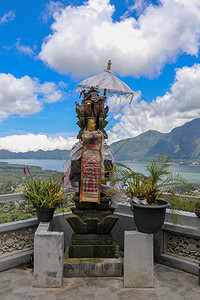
(48, 257)
(138, 260)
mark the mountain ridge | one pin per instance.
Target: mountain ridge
(182, 143)
(40, 154)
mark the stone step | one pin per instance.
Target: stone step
(93, 267)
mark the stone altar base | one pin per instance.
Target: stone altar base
(91, 251)
(92, 246)
(92, 267)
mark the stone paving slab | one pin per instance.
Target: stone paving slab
(171, 284)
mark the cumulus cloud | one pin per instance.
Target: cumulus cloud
(180, 105)
(176, 107)
(34, 142)
(25, 95)
(84, 37)
(7, 17)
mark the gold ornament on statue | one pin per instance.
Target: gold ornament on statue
(91, 124)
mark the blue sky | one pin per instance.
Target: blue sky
(48, 47)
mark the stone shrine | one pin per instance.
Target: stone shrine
(92, 219)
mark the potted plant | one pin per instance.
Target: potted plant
(197, 209)
(144, 192)
(45, 195)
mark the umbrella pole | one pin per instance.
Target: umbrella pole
(108, 68)
(104, 94)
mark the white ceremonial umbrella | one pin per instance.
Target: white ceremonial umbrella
(106, 82)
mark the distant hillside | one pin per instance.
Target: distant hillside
(182, 143)
(40, 154)
(136, 148)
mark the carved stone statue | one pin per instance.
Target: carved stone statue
(92, 218)
(91, 113)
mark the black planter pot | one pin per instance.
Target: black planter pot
(149, 219)
(44, 214)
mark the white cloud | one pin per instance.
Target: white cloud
(84, 37)
(33, 142)
(180, 105)
(27, 50)
(25, 96)
(50, 9)
(7, 17)
(50, 92)
(139, 6)
(175, 108)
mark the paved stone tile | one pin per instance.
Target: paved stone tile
(162, 284)
(89, 296)
(170, 284)
(176, 286)
(89, 290)
(183, 276)
(171, 296)
(124, 293)
(138, 296)
(186, 291)
(47, 297)
(152, 296)
(74, 297)
(16, 297)
(21, 290)
(109, 295)
(4, 287)
(101, 291)
(194, 296)
(36, 292)
(66, 291)
(162, 291)
(197, 289)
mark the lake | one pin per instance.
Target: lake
(46, 164)
(190, 173)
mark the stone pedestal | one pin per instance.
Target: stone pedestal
(138, 260)
(92, 224)
(48, 257)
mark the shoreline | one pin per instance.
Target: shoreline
(174, 162)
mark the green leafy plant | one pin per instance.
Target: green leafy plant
(150, 187)
(47, 193)
(196, 204)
